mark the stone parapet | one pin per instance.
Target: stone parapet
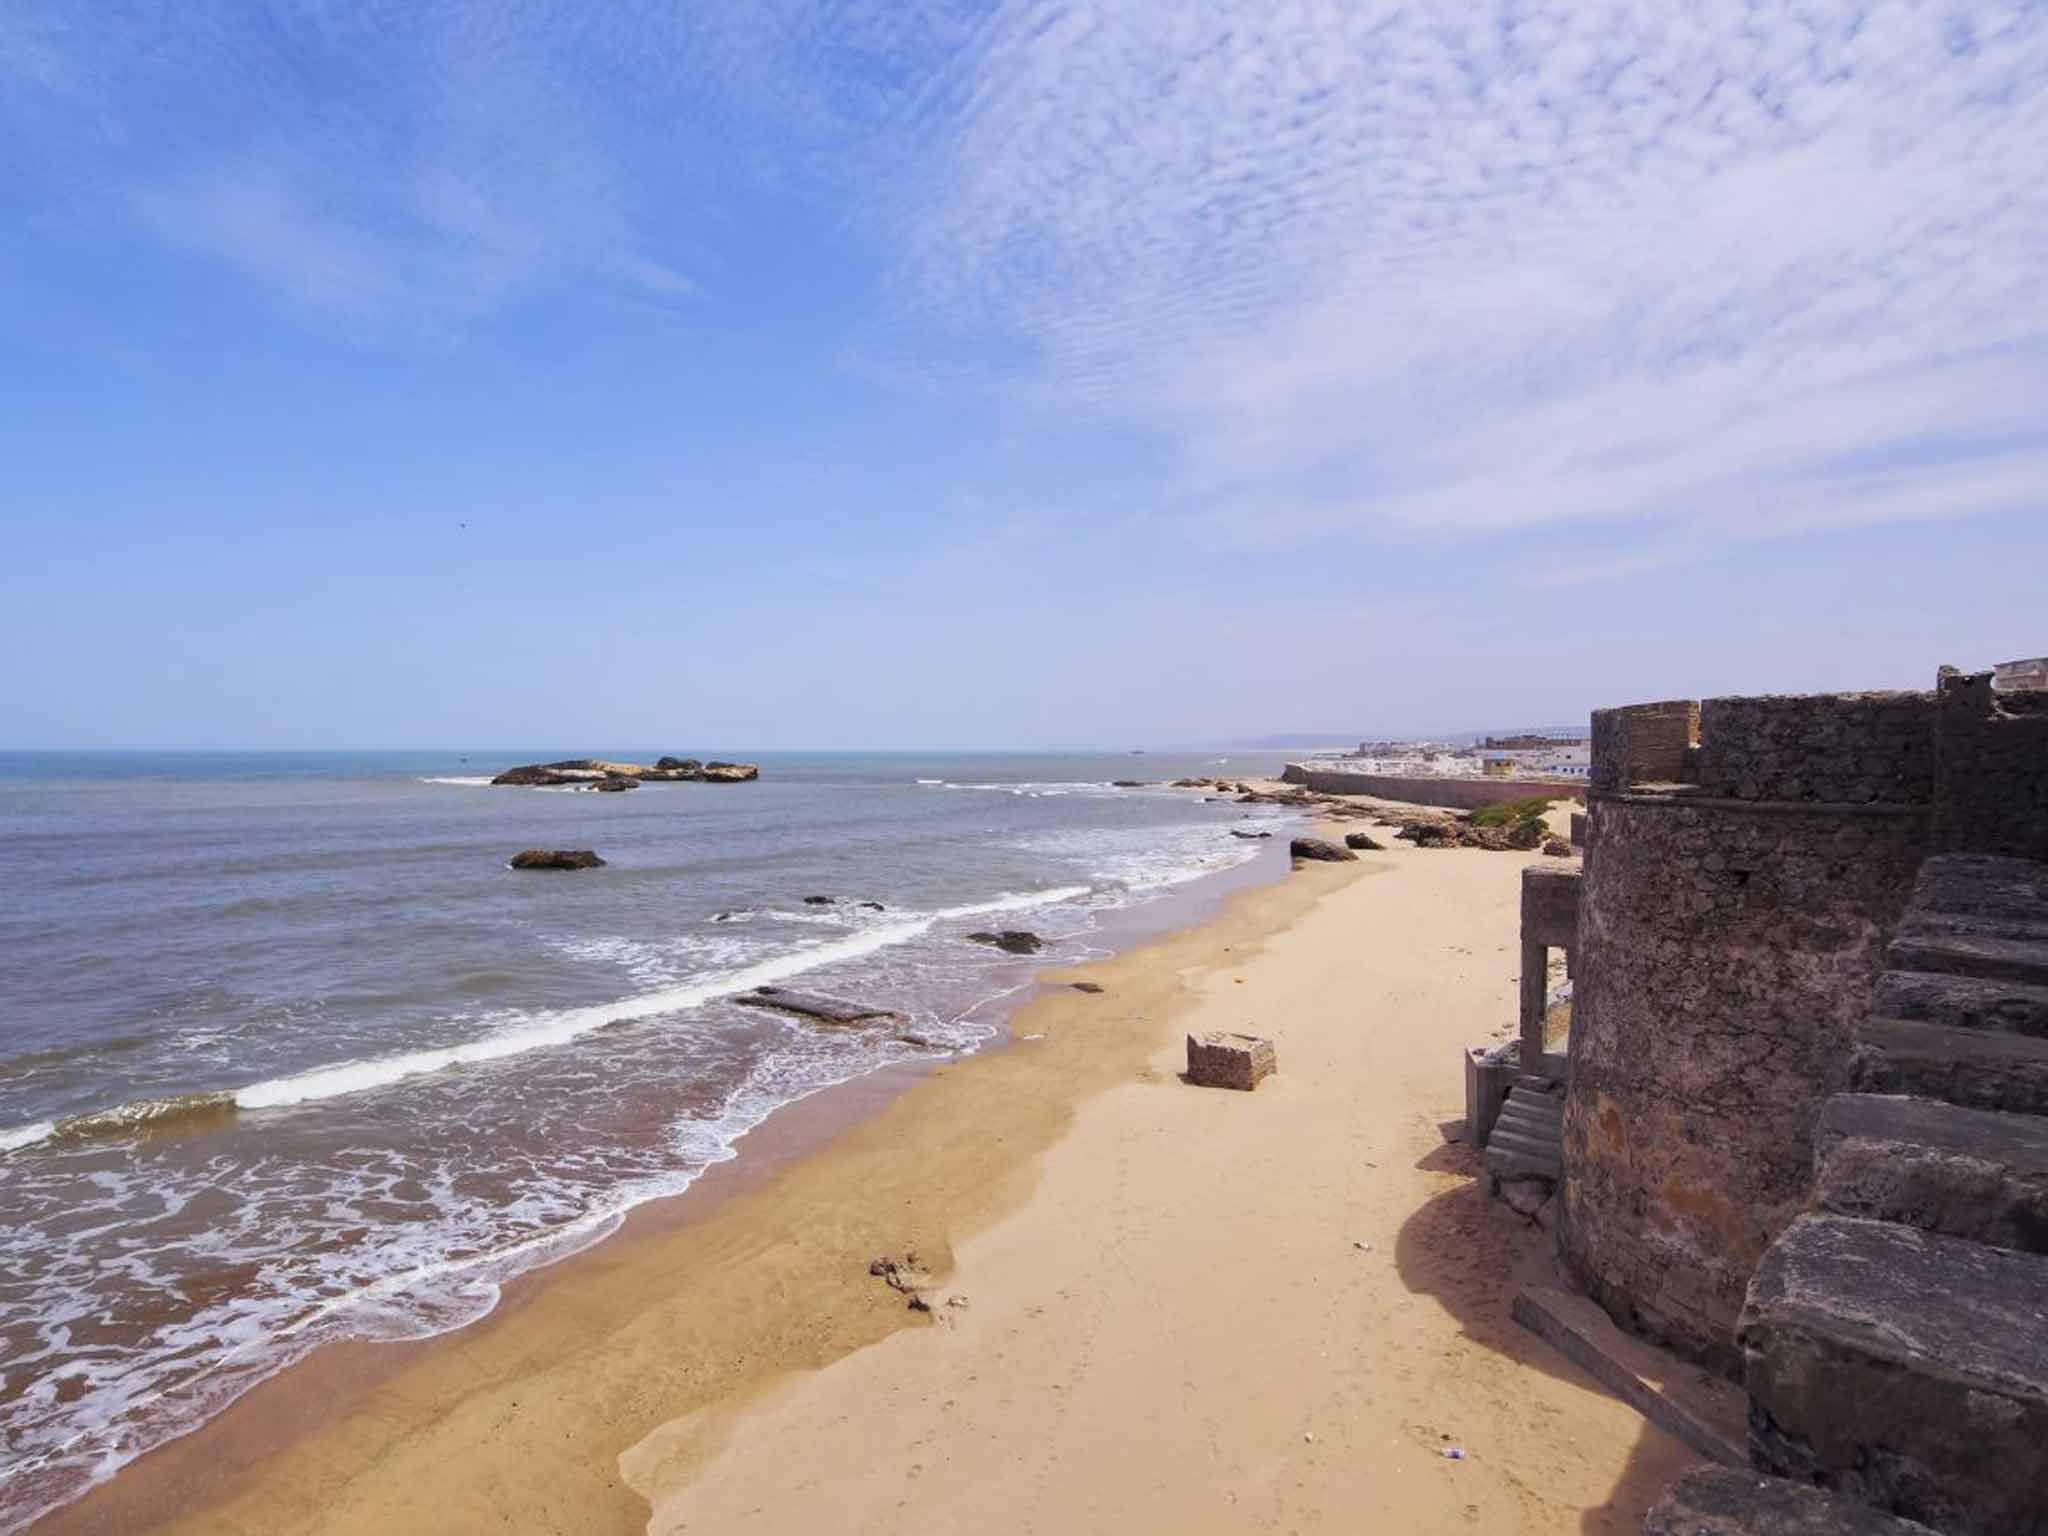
(1643, 743)
(1853, 748)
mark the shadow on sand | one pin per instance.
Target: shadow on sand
(1471, 1254)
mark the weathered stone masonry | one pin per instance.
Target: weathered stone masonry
(1730, 931)
(1747, 860)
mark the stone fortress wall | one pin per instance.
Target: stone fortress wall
(1462, 794)
(1747, 861)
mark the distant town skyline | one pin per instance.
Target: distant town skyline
(1006, 374)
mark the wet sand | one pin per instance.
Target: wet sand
(1186, 1309)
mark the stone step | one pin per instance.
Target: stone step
(1544, 1136)
(1904, 1369)
(1966, 954)
(1504, 1164)
(1531, 1147)
(1963, 1172)
(1982, 885)
(1725, 1501)
(1968, 1002)
(1978, 1069)
(1545, 1115)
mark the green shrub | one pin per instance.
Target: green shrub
(1514, 814)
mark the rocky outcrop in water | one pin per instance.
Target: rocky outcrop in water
(615, 786)
(815, 1005)
(603, 773)
(1011, 941)
(557, 858)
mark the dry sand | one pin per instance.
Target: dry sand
(1184, 1309)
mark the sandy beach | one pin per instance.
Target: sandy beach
(1153, 1306)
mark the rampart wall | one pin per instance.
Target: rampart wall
(1456, 794)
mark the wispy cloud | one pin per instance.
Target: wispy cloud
(1380, 267)
(1621, 275)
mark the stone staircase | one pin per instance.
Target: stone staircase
(1896, 1340)
(1526, 1141)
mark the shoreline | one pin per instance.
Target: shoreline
(660, 1342)
(183, 1474)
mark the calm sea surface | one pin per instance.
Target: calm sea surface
(287, 1054)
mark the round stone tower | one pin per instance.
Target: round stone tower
(1746, 862)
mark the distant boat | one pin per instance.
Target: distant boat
(1137, 751)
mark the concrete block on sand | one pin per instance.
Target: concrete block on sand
(1221, 1059)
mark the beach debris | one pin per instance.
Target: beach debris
(1453, 1453)
(556, 858)
(957, 1301)
(1361, 1245)
(1226, 1059)
(1308, 1438)
(1363, 842)
(1090, 987)
(814, 1005)
(1011, 941)
(1318, 849)
(904, 1276)
(1039, 1036)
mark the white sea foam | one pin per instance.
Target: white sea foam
(1042, 790)
(469, 780)
(1133, 861)
(25, 1135)
(563, 1025)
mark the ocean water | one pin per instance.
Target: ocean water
(288, 1054)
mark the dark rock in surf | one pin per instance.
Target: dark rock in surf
(815, 1005)
(1363, 842)
(820, 901)
(615, 786)
(1011, 941)
(1314, 848)
(1250, 837)
(871, 906)
(729, 773)
(557, 858)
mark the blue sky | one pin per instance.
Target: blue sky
(854, 373)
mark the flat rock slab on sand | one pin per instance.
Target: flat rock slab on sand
(815, 1005)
